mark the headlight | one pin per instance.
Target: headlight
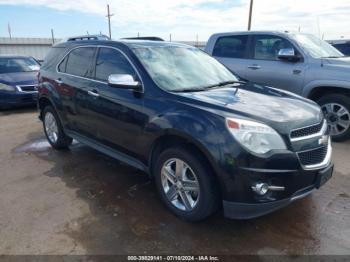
(4, 87)
(254, 136)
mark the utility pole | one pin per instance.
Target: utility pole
(170, 38)
(250, 14)
(52, 36)
(9, 30)
(109, 21)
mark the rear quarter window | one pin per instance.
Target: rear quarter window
(79, 61)
(52, 58)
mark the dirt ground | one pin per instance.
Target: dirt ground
(83, 202)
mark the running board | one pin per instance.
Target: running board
(107, 150)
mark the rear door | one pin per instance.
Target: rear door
(232, 51)
(74, 84)
(265, 67)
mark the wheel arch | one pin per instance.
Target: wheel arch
(319, 91)
(42, 103)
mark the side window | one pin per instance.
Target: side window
(79, 61)
(110, 61)
(266, 47)
(231, 46)
(62, 65)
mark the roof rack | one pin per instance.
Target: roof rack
(88, 37)
(151, 38)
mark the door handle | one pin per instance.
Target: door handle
(254, 67)
(93, 93)
(59, 81)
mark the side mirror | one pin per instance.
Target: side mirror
(123, 81)
(287, 54)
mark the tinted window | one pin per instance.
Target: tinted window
(79, 61)
(267, 47)
(110, 61)
(52, 58)
(344, 48)
(231, 46)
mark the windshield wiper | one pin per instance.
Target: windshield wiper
(332, 56)
(183, 90)
(224, 83)
(204, 88)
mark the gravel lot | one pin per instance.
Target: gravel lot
(83, 202)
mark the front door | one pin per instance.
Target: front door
(264, 66)
(119, 116)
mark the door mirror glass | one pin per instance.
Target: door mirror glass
(287, 54)
(123, 81)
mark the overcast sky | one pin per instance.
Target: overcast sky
(184, 19)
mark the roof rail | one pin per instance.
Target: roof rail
(151, 38)
(87, 37)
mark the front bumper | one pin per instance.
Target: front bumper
(272, 202)
(8, 100)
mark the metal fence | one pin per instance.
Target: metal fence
(35, 47)
(38, 47)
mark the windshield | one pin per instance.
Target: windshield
(316, 47)
(176, 68)
(18, 64)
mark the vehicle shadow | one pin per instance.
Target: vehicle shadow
(127, 216)
(18, 110)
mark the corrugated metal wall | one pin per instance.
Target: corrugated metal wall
(35, 47)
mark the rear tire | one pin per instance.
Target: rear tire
(190, 178)
(336, 108)
(53, 129)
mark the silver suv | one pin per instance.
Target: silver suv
(299, 63)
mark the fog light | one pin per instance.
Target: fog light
(261, 188)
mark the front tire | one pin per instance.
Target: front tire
(336, 108)
(53, 129)
(186, 184)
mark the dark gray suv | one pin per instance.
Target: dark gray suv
(300, 63)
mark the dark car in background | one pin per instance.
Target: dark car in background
(342, 45)
(172, 111)
(18, 81)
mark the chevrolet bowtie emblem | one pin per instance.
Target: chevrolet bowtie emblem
(323, 140)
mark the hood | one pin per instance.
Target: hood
(281, 110)
(20, 78)
(341, 63)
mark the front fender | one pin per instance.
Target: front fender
(202, 130)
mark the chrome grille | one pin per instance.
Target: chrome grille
(27, 88)
(316, 157)
(313, 157)
(309, 131)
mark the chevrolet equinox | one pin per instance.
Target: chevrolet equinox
(208, 138)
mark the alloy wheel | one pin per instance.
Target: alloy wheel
(338, 118)
(51, 127)
(180, 184)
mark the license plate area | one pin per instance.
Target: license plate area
(324, 175)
